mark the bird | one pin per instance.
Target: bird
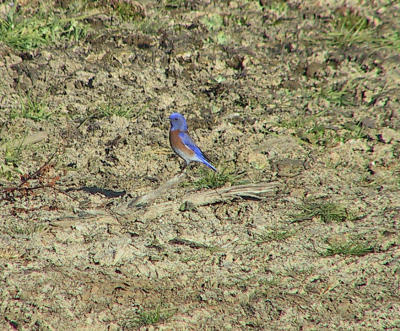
(183, 145)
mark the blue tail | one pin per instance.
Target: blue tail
(208, 164)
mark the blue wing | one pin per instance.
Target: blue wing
(191, 144)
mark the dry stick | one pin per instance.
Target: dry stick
(151, 196)
(257, 191)
(28, 140)
(38, 172)
(29, 177)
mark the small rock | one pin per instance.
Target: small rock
(259, 160)
(113, 327)
(288, 167)
(368, 122)
(24, 82)
(314, 69)
(291, 85)
(389, 135)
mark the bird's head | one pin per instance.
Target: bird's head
(178, 122)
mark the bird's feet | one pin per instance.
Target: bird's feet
(183, 167)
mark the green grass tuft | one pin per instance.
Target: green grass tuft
(148, 317)
(9, 171)
(273, 235)
(348, 248)
(352, 29)
(32, 108)
(108, 110)
(213, 22)
(128, 10)
(279, 7)
(211, 179)
(25, 230)
(338, 95)
(24, 32)
(348, 30)
(326, 211)
(312, 130)
(11, 153)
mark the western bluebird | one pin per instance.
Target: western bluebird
(182, 144)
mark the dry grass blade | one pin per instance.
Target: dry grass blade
(247, 191)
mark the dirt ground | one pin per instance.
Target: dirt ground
(297, 103)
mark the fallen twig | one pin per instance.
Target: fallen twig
(185, 242)
(151, 196)
(257, 191)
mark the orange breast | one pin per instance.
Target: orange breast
(177, 145)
